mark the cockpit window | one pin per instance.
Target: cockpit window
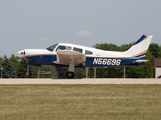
(61, 47)
(77, 49)
(88, 52)
(51, 48)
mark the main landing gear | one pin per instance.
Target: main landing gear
(70, 74)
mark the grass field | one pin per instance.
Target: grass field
(44, 102)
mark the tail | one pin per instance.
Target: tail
(140, 48)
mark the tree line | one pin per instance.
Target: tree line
(16, 67)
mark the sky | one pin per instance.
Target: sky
(38, 24)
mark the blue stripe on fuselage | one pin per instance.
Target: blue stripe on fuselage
(39, 60)
(110, 62)
(141, 56)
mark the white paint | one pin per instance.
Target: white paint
(157, 72)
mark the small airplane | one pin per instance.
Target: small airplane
(65, 54)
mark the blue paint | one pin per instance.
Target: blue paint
(34, 60)
(48, 60)
(139, 40)
(124, 62)
(141, 55)
(39, 60)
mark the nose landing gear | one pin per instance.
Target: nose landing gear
(27, 73)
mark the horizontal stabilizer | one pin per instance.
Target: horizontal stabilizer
(140, 61)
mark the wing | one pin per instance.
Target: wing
(66, 57)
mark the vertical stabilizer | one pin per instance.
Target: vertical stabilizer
(140, 48)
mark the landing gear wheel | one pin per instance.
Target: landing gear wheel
(27, 73)
(70, 74)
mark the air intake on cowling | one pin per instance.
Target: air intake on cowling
(23, 53)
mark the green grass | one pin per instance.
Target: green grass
(44, 102)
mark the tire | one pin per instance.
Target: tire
(70, 74)
(27, 73)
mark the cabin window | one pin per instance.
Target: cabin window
(77, 49)
(61, 47)
(88, 52)
(51, 48)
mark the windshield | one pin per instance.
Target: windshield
(51, 48)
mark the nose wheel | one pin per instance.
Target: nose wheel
(70, 74)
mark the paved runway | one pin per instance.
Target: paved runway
(82, 81)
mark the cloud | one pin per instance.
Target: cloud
(83, 33)
(44, 39)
